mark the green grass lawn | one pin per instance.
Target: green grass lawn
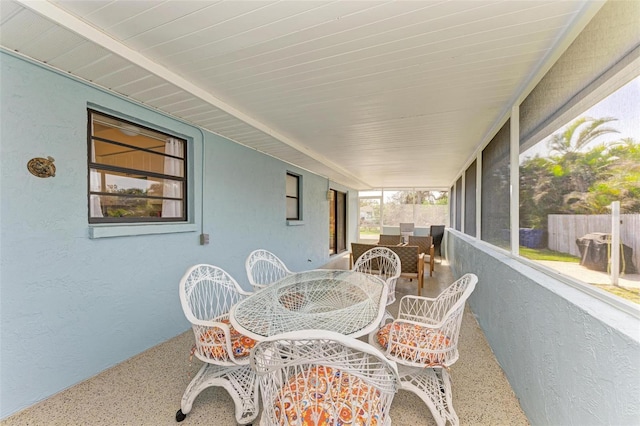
(632, 295)
(546, 254)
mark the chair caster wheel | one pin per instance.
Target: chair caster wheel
(180, 416)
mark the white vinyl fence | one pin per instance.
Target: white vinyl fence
(565, 229)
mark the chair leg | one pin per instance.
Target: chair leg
(240, 382)
(433, 387)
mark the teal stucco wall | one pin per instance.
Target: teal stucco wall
(571, 358)
(72, 306)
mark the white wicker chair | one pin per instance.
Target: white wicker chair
(319, 377)
(264, 268)
(423, 341)
(383, 262)
(207, 293)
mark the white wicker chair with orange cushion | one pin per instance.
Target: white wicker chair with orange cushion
(423, 341)
(319, 377)
(264, 268)
(384, 263)
(207, 293)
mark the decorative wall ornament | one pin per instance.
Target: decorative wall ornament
(42, 167)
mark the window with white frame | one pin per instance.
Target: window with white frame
(578, 154)
(579, 160)
(568, 182)
(293, 186)
(136, 174)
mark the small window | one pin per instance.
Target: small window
(293, 197)
(136, 174)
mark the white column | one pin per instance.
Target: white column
(479, 195)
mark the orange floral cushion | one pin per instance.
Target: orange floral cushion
(326, 396)
(213, 343)
(415, 343)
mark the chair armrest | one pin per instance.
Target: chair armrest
(204, 343)
(200, 329)
(419, 344)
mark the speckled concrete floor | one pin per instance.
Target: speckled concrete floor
(146, 390)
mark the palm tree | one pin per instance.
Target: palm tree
(579, 133)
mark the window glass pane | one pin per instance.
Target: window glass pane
(423, 208)
(292, 186)
(568, 182)
(397, 207)
(430, 208)
(117, 130)
(125, 183)
(495, 189)
(116, 206)
(420, 207)
(131, 158)
(369, 227)
(470, 200)
(459, 204)
(292, 209)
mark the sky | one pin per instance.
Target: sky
(624, 104)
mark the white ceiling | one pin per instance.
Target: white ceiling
(370, 94)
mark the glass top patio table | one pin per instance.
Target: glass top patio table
(347, 302)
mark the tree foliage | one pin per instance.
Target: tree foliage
(421, 197)
(580, 133)
(577, 180)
